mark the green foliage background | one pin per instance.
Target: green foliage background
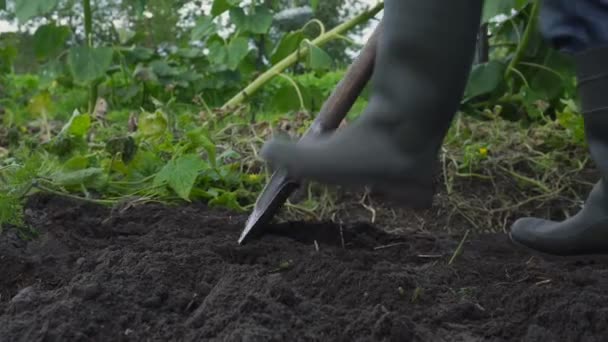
(135, 113)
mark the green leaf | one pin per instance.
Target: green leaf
(258, 22)
(288, 45)
(11, 210)
(314, 4)
(163, 69)
(218, 53)
(226, 200)
(27, 9)
(199, 138)
(49, 40)
(571, 120)
(551, 77)
(50, 71)
(76, 163)
(78, 177)
(2, 4)
(181, 174)
(140, 7)
(237, 51)
(221, 6)
(203, 29)
(493, 8)
(287, 98)
(485, 78)
(125, 146)
(125, 35)
(80, 124)
(318, 59)
(88, 64)
(153, 124)
(141, 53)
(77, 126)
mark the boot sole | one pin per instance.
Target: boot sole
(537, 252)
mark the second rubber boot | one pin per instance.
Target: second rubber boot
(587, 231)
(424, 56)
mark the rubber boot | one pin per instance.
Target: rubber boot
(422, 65)
(587, 231)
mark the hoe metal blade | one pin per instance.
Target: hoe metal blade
(335, 108)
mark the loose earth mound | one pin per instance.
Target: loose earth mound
(154, 273)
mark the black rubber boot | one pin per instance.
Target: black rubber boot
(424, 58)
(587, 231)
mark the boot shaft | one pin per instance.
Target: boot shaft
(424, 56)
(592, 75)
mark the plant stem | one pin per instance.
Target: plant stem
(294, 57)
(74, 197)
(525, 40)
(483, 47)
(88, 21)
(88, 30)
(458, 250)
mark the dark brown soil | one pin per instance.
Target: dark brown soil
(155, 273)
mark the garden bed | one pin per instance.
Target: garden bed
(154, 273)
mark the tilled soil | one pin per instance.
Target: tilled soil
(155, 273)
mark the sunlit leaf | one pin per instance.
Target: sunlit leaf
(49, 40)
(41, 104)
(79, 125)
(314, 4)
(88, 64)
(180, 174)
(570, 119)
(152, 125)
(27, 9)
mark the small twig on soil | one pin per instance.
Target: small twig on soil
(316, 246)
(528, 180)
(458, 250)
(389, 245)
(342, 236)
(430, 256)
(368, 207)
(543, 282)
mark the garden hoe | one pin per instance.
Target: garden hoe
(335, 108)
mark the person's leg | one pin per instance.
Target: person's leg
(424, 58)
(579, 28)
